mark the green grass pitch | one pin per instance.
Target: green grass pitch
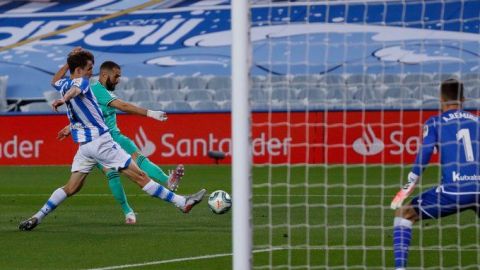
(318, 217)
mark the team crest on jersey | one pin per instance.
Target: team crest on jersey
(425, 131)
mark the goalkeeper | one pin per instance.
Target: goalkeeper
(109, 77)
(456, 135)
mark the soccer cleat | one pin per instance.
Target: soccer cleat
(130, 218)
(29, 224)
(175, 177)
(192, 200)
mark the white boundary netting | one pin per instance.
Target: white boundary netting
(340, 91)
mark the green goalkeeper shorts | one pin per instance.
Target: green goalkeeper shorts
(127, 144)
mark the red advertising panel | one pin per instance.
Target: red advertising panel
(277, 138)
(184, 138)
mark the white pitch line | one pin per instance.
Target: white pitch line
(176, 260)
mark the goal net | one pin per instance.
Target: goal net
(339, 93)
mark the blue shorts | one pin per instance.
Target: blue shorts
(435, 204)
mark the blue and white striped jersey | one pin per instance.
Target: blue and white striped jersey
(86, 118)
(456, 135)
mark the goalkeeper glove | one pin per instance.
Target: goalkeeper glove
(157, 115)
(405, 191)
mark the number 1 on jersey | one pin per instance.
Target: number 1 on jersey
(467, 143)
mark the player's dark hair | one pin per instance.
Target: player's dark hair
(79, 59)
(109, 65)
(452, 90)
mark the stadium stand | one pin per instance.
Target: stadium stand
(3, 93)
(329, 91)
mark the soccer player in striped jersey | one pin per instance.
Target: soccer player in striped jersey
(110, 73)
(455, 133)
(96, 145)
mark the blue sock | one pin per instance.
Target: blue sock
(402, 235)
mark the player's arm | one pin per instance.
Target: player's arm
(71, 93)
(63, 133)
(421, 161)
(60, 73)
(130, 108)
(63, 70)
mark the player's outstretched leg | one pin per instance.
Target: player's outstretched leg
(185, 204)
(175, 177)
(156, 173)
(405, 217)
(73, 185)
(118, 193)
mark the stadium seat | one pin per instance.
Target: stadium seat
(407, 103)
(206, 106)
(142, 95)
(332, 79)
(305, 79)
(337, 93)
(283, 94)
(122, 85)
(426, 92)
(223, 94)
(473, 92)
(277, 79)
(164, 83)
(365, 93)
(397, 93)
(388, 79)
(178, 106)
(193, 83)
(38, 107)
(199, 95)
(258, 95)
(416, 79)
(3, 93)
(150, 105)
(260, 105)
(431, 104)
(169, 95)
(124, 94)
(360, 79)
(51, 95)
(312, 94)
(471, 104)
(139, 83)
(226, 106)
(290, 105)
(467, 77)
(438, 78)
(219, 83)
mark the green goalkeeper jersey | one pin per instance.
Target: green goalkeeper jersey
(104, 97)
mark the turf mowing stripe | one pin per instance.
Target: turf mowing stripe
(145, 195)
(177, 260)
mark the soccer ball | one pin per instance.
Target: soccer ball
(219, 202)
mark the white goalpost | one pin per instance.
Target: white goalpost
(242, 157)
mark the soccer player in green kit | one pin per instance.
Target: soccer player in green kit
(109, 77)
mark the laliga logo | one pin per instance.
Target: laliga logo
(368, 144)
(147, 147)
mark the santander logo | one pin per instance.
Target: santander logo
(368, 144)
(146, 146)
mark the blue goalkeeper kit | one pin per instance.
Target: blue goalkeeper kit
(456, 135)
